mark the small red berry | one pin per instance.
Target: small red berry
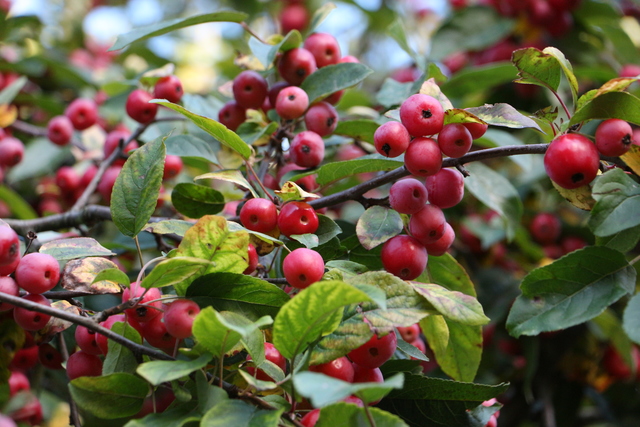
(422, 115)
(302, 267)
(571, 161)
(412, 262)
(83, 113)
(139, 108)
(169, 88)
(297, 218)
(60, 130)
(391, 139)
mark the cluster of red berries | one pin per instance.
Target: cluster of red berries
(422, 117)
(546, 229)
(138, 106)
(301, 267)
(572, 160)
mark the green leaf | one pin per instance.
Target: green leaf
(136, 190)
(431, 88)
(158, 371)
(409, 349)
(112, 275)
(232, 175)
(428, 401)
(571, 290)
(617, 203)
(327, 229)
(112, 396)
(257, 384)
(212, 127)
(631, 319)
(9, 93)
(308, 240)
(119, 358)
(290, 41)
(314, 312)
(237, 413)
(394, 93)
(404, 307)
(196, 201)
(335, 171)
(361, 129)
(455, 305)
(503, 115)
(377, 225)
(475, 79)
(472, 28)
(219, 332)
(209, 239)
(348, 414)
(537, 67)
(611, 105)
(622, 241)
(80, 275)
(19, 207)
(323, 390)
(191, 146)
(248, 295)
(397, 32)
(496, 192)
(567, 69)
(457, 347)
(170, 226)
(332, 78)
(174, 271)
(76, 247)
(165, 27)
(319, 16)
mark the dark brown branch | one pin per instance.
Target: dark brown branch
(87, 322)
(28, 128)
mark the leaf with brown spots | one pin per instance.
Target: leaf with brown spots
(78, 275)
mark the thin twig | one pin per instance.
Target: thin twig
(28, 128)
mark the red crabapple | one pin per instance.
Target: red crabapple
(169, 88)
(409, 333)
(9, 246)
(572, 243)
(82, 112)
(408, 196)
(455, 140)
(60, 130)
(172, 166)
(302, 267)
(147, 307)
(11, 151)
(297, 218)
(156, 333)
(250, 89)
(324, 48)
(10, 287)
(442, 245)
(296, 64)
(105, 186)
(391, 139)
(367, 375)
(375, 352)
(423, 157)
(81, 364)
(113, 140)
(139, 108)
(545, 228)
(291, 102)
(321, 118)
(427, 225)
(571, 161)
(294, 17)
(340, 368)
(307, 149)
(253, 260)
(179, 317)
(259, 215)
(30, 412)
(49, 356)
(32, 320)
(412, 262)
(18, 382)
(86, 340)
(630, 70)
(37, 273)
(6, 269)
(446, 188)
(67, 179)
(271, 354)
(476, 129)
(232, 115)
(24, 359)
(422, 115)
(614, 137)
(311, 418)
